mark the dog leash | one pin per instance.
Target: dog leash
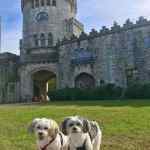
(61, 139)
(45, 147)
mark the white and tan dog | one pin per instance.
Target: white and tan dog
(82, 133)
(48, 135)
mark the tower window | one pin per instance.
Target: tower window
(43, 40)
(50, 39)
(54, 3)
(37, 3)
(42, 2)
(48, 2)
(36, 42)
(32, 3)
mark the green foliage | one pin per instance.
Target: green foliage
(109, 91)
(52, 84)
(138, 91)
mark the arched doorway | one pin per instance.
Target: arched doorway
(84, 81)
(43, 82)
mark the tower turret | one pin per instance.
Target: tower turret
(46, 21)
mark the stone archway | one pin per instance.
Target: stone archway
(43, 82)
(84, 81)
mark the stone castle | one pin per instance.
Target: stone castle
(55, 52)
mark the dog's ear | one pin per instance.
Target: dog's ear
(54, 129)
(63, 126)
(32, 125)
(86, 125)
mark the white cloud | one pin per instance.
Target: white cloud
(10, 41)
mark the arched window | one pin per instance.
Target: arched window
(36, 41)
(50, 39)
(42, 2)
(37, 3)
(48, 2)
(32, 3)
(43, 40)
(53, 2)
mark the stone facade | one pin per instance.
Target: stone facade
(54, 46)
(9, 79)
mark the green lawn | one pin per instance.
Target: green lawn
(125, 124)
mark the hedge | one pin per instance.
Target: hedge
(109, 91)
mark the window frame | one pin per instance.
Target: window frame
(54, 4)
(37, 3)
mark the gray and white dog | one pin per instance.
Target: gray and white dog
(82, 133)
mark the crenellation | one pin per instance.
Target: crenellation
(93, 33)
(115, 27)
(128, 24)
(142, 21)
(104, 31)
(83, 36)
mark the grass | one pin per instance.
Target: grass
(125, 124)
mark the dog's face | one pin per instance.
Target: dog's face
(75, 124)
(44, 128)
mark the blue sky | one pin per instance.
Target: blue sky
(93, 13)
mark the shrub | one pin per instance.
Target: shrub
(109, 91)
(138, 91)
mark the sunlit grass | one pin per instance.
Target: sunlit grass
(125, 124)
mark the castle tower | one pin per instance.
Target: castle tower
(46, 21)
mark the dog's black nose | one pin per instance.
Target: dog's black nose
(40, 133)
(74, 129)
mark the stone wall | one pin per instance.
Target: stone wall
(122, 54)
(9, 81)
(26, 80)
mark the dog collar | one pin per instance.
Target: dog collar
(83, 147)
(45, 147)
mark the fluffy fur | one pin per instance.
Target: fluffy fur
(82, 133)
(48, 134)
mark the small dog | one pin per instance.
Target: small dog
(48, 135)
(82, 133)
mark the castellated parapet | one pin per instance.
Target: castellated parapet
(122, 53)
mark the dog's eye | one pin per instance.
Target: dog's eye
(78, 124)
(46, 128)
(38, 127)
(71, 124)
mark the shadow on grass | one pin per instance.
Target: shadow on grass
(88, 103)
(104, 103)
